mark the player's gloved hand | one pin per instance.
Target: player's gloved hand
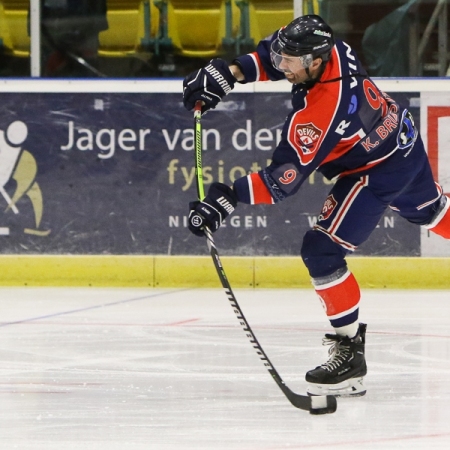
(209, 84)
(213, 210)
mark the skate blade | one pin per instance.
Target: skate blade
(353, 387)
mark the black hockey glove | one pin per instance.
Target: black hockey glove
(209, 85)
(213, 210)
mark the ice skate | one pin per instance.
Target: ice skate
(342, 375)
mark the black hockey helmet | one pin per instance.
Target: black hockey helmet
(305, 35)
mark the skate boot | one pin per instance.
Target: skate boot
(342, 375)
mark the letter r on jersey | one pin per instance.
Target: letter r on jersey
(340, 129)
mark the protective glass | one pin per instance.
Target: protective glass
(288, 63)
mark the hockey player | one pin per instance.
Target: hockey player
(344, 127)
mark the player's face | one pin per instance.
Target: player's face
(293, 68)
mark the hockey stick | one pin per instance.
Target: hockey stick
(314, 404)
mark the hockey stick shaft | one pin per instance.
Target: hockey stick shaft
(315, 405)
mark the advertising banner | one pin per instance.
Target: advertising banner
(113, 173)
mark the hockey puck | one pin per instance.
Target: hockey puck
(321, 404)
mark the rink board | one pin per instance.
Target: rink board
(102, 170)
(198, 271)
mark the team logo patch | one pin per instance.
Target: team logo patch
(306, 138)
(328, 207)
(408, 132)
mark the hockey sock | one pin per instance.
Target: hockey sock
(441, 224)
(349, 330)
(340, 298)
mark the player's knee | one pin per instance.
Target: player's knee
(321, 255)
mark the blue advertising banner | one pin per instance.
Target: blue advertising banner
(113, 173)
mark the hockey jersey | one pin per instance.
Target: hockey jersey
(342, 124)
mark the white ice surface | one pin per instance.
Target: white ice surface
(110, 369)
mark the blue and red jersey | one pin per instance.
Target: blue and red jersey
(342, 124)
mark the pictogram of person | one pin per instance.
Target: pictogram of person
(21, 166)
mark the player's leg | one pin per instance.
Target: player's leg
(426, 206)
(440, 220)
(422, 201)
(350, 214)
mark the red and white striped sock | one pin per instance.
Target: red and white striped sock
(340, 299)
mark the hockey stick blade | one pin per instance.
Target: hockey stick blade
(314, 404)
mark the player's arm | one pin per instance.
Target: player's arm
(212, 82)
(281, 179)
(257, 65)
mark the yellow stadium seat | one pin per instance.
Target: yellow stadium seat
(268, 16)
(126, 19)
(197, 28)
(131, 25)
(13, 27)
(260, 18)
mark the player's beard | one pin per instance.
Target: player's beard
(290, 77)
